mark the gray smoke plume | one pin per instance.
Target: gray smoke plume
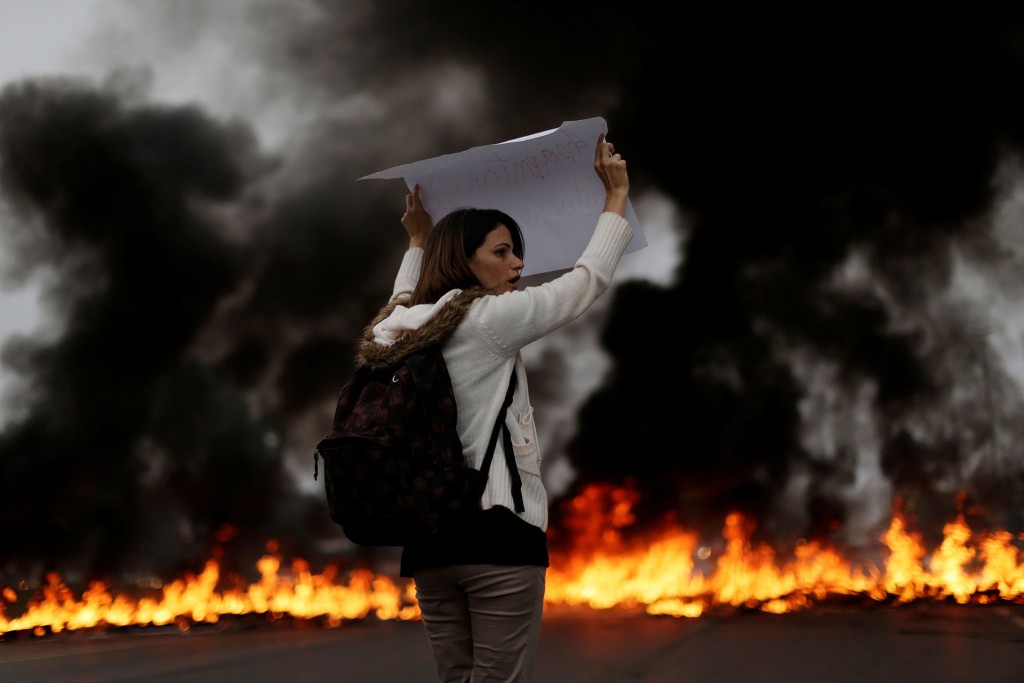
(851, 138)
(837, 332)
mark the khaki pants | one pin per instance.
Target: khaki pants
(482, 620)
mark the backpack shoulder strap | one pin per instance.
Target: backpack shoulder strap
(426, 366)
(510, 458)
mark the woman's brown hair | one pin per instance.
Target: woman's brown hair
(451, 245)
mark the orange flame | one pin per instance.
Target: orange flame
(601, 570)
(195, 599)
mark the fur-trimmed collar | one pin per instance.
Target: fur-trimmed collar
(434, 331)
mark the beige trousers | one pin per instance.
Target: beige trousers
(483, 620)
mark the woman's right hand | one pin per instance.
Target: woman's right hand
(416, 220)
(611, 169)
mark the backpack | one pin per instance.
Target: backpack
(394, 469)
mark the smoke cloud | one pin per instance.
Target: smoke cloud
(839, 329)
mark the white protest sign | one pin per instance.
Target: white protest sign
(545, 181)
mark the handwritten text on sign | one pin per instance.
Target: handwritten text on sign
(546, 182)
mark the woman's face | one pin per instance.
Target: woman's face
(494, 264)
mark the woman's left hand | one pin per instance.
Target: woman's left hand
(416, 220)
(611, 169)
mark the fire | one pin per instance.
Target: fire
(300, 594)
(601, 569)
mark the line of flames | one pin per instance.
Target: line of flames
(602, 571)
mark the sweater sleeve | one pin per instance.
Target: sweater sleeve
(408, 272)
(511, 321)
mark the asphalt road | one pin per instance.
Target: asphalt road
(930, 643)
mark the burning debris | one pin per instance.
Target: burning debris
(599, 564)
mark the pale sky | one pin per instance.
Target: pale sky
(42, 36)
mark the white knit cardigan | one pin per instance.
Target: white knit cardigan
(485, 348)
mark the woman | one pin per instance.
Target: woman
(480, 578)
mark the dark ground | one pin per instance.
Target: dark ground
(931, 643)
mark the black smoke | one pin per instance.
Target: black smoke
(209, 291)
(798, 140)
(120, 425)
